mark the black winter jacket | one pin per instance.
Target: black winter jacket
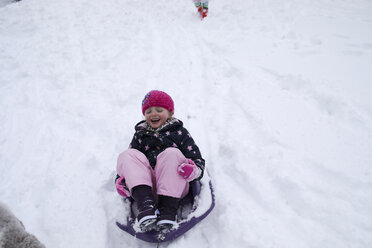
(152, 142)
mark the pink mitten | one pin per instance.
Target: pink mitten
(189, 170)
(121, 187)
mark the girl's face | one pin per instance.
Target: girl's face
(157, 116)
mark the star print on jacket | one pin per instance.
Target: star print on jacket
(152, 142)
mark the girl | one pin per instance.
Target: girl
(161, 161)
(202, 6)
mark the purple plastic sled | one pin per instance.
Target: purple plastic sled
(187, 207)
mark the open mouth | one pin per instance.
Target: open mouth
(155, 120)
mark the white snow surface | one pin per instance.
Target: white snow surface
(277, 94)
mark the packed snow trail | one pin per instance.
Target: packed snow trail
(276, 95)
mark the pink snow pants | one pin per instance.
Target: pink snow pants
(164, 179)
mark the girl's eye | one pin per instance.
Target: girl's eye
(159, 110)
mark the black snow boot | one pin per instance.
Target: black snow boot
(144, 198)
(168, 207)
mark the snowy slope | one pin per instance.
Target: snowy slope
(276, 94)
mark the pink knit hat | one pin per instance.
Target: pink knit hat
(157, 98)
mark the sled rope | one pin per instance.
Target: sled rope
(158, 244)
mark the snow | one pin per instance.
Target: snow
(276, 94)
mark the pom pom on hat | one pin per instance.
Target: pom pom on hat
(157, 98)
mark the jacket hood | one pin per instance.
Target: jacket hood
(168, 125)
